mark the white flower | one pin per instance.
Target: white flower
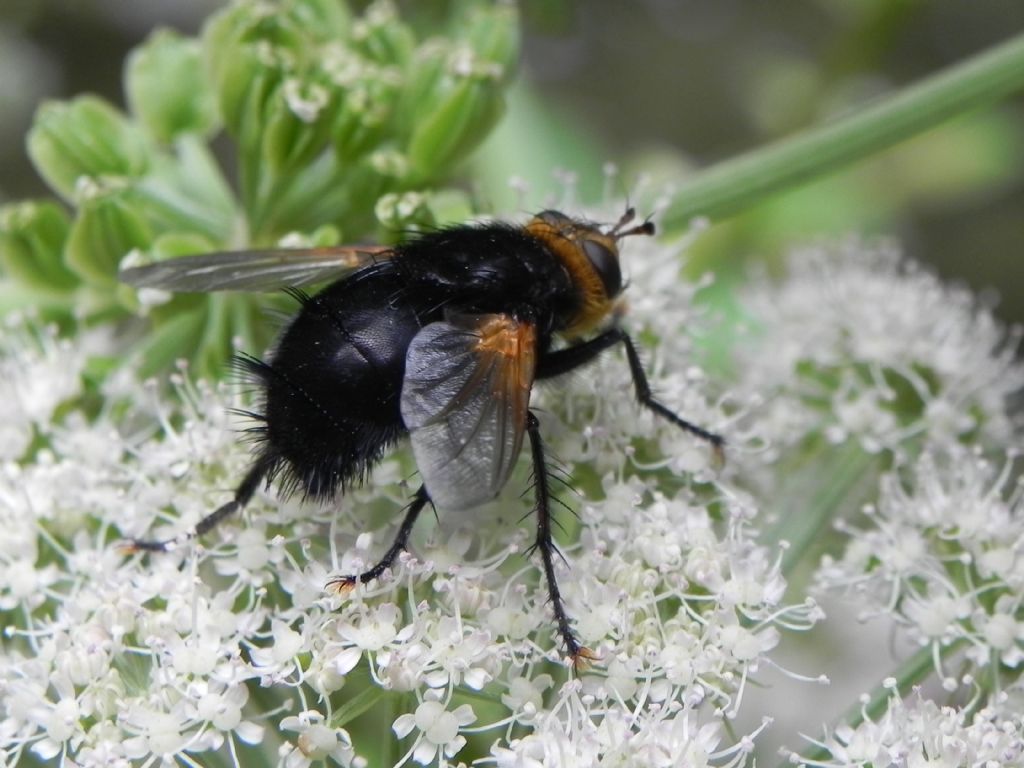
(437, 727)
(277, 661)
(371, 630)
(61, 725)
(375, 628)
(651, 738)
(701, 625)
(221, 706)
(525, 696)
(157, 732)
(316, 742)
(446, 653)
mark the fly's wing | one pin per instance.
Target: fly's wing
(465, 399)
(261, 270)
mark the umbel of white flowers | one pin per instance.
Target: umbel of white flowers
(233, 643)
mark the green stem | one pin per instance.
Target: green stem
(830, 488)
(739, 183)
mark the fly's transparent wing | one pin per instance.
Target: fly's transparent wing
(465, 399)
(262, 270)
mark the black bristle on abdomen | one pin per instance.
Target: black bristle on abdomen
(318, 448)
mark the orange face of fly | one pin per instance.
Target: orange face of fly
(591, 257)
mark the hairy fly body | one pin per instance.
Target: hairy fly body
(439, 340)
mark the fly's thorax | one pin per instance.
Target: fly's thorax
(483, 269)
(590, 257)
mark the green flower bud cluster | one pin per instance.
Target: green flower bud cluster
(345, 127)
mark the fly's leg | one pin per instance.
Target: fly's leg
(579, 654)
(243, 494)
(344, 584)
(570, 358)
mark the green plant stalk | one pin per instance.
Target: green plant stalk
(801, 525)
(909, 674)
(744, 181)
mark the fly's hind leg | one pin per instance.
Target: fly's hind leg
(578, 653)
(344, 584)
(257, 473)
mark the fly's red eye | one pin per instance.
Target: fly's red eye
(606, 264)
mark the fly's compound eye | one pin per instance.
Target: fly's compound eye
(606, 264)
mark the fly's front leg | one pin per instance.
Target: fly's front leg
(570, 358)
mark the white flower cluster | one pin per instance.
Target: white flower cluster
(942, 555)
(230, 651)
(651, 738)
(858, 347)
(232, 645)
(859, 343)
(921, 733)
(38, 372)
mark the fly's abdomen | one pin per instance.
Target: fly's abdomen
(332, 387)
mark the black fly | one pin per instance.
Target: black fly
(439, 339)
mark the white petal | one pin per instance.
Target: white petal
(403, 725)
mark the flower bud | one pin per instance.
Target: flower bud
(243, 51)
(381, 36)
(186, 192)
(366, 104)
(297, 124)
(459, 92)
(85, 137)
(261, 57)
(32, 235)
(110, 223)
(167, 88)
(411, 211)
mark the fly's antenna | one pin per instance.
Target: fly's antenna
(646, 228)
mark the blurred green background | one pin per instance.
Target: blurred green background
(664, 87)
